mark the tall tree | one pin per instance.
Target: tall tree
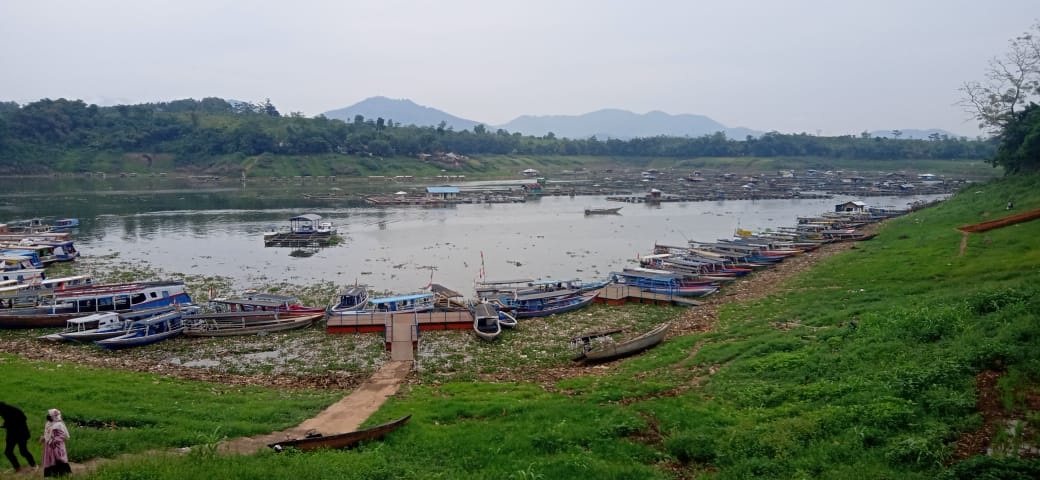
(1012, 80)
(1019, 148)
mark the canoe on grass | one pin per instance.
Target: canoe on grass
(623, 349)
(342, 440)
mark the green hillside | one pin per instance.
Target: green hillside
(215, 137)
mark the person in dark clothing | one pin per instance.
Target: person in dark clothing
(17, 434)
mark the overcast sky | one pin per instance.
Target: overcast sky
(831, 67)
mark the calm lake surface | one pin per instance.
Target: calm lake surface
(398, 249)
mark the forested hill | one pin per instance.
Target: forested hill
(68, 135)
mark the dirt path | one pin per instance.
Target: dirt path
(343, 416)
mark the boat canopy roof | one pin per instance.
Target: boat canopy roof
(354, 291)
(663, 276)
(247, 301)
(550, 281)
(484, 310)
(504, 282)
(544, 295)
(13, 288)
(444, 291)
(400, 298)
(160, 318)
(97, 317)
(54, 281)
(307, 217)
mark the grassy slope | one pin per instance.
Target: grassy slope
(784, 388)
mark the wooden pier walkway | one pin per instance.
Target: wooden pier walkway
(621, 294)
(379, 321)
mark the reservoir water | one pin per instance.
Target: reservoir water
(402, 249)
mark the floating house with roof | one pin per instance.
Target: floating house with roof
(307, 230)
(442, 194)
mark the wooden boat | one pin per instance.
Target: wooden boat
(114, 327)
(682, 290)
(602, 211)
(446, 299)
(619, 350)
(253, 301)
(342, 440)
(1001, 222)
(64, 224)
(24, 276)
(303, 230)
(79, 325)
(42, 250)
(351, 299)
(31, 308)
(491, 289)
(148, 331)
(485, 322)
(413, 302)
(506, 320)
(545, 304)
(227, 324)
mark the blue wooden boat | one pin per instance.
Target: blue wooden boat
(414, 302)
(149, 330)
(64, 224)
(546, 303)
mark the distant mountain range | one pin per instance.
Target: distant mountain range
(603, 124)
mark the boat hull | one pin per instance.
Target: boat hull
(210, 326)
(341, 441)
(624, 349)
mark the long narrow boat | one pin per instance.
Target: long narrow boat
(81, 325)
(149, 330)
(602, 211)
(342, 440)
(485, 322)
(545, 304)
(253, 301)
(413, 302)
(30, 308)
(227, 324)
(630, 347)
(114, 327)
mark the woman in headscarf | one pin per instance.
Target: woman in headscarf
(55, 458)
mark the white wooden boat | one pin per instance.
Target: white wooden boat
(485, 322)
(80, 325)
